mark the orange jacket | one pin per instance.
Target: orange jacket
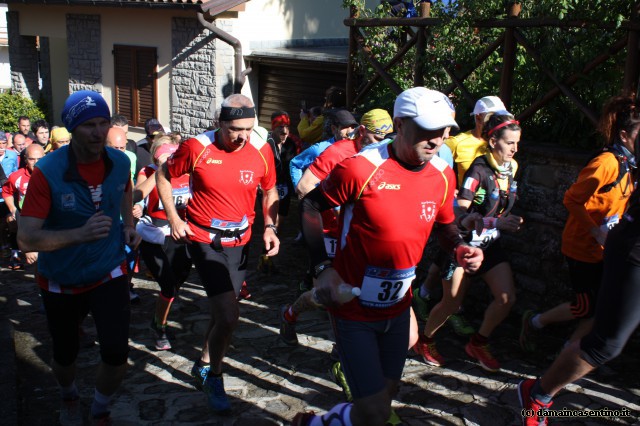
(588, 209)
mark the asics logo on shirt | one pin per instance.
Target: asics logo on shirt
(392, 186)
(213, 161)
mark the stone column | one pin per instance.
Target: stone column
(193, 77)
(23, 59)
(85, 59)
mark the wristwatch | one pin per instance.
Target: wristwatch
(275, 228)
(317, 270)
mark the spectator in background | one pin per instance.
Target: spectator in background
(143, 158)
(24, 128)
(9, 164)
(312, 131)
(59, 137)
(284, 147)
(152, 127)
(342, 123)
(19, 144)
(118, 120)
(41, 129)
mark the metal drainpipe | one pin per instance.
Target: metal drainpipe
(240, 74)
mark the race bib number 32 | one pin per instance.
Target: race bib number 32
(383, 287)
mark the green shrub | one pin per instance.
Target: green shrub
(14, 105)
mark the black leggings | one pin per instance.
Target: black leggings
(617, 314)
(168, 263)
(109, 306)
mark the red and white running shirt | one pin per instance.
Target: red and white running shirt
(223, 184)
(387, 215)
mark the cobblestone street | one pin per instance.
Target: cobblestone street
(269, 381)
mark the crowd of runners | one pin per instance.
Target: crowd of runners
(375, 190)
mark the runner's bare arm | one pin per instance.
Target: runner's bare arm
(180, 231)
(270, 201)
(307, 182)
(31, 236)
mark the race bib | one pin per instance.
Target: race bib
(609, 222)
(180, 198)
(283, 190)
(383, 287)
(330, 245)
(485, 239)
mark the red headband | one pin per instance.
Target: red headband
(280, 120)
(501, 125)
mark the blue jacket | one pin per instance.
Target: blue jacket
(71, 207)
(302, 161)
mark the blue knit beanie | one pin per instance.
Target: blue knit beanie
(82, 106)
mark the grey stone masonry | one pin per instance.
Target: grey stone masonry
(546, 172)
(193, 77)
(225, 58)
(23, 59)
(85, 60)
(45, 69)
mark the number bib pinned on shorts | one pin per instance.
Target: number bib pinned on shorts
(180, 196)
(283, 190)
(383, 287)
(330, 245)
(485, 239)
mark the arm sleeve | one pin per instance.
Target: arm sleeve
(300, 162)
(448, 236)
(8, 188)
(268, 181)
(183, 160)
(470, 184)
(37, 202)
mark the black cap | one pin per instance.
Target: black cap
(344, 118)
(153, 126)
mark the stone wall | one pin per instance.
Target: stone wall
(23, 58)
(546, 172)
(85, 59)
(194, 85)
(45, 70)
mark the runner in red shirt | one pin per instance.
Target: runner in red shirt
(13, 191)
(226, 167)
(391, 197)
(321, 167)
(166, 259)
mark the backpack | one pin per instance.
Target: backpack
(623, 169)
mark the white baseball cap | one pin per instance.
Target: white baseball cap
(489, 104)
(428, 108)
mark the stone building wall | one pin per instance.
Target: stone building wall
(193, 77)
(546, 172)
(23, 57)
(85, 59)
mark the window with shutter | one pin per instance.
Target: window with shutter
(136, 83)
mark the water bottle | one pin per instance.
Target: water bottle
(495, 194)
(514, 187)
(345, 294)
